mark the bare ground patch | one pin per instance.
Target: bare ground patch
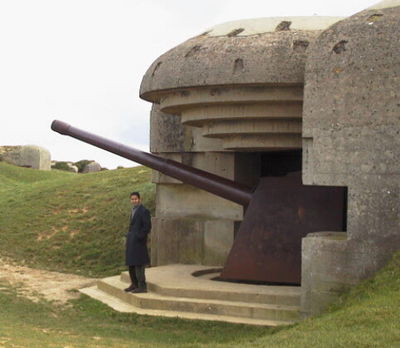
(36, 284)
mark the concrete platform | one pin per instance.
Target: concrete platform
(188, 291)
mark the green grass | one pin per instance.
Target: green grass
(366, 317)
(68, 222)
(76, 223)
(88, 323)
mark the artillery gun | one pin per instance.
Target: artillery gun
(279, 212)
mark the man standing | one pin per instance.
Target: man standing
(136, 254)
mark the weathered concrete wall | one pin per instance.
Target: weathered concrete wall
(188, 201)
(218, 240)
(30, 156)
(166, 132)
(190, 226)
(169, 136)
(351, 127)
(191, 240)
(177, 240)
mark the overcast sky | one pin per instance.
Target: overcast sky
(82, 61)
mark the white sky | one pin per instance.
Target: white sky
(82, 61)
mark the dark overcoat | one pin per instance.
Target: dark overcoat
(136, 239)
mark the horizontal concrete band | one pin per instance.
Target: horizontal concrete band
(219, 129)
(175, 100)
(277, 142)
(200, 115)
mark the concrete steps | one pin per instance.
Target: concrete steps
(175, 292)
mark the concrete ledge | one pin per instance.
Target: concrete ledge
(121, 306)
(152, 300)
(163, 280)
(175, 292)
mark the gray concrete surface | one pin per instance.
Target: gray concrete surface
(187, 291)
(351, 128)
(30, 156)
(273, 52)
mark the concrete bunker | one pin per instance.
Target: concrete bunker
(229, 101)
(28, 156)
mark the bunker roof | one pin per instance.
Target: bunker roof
(247, 52)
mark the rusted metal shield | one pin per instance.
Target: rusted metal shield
(267, 247)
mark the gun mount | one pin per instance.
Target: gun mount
(279, 212)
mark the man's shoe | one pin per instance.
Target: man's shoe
(130, 288)
(139, 290)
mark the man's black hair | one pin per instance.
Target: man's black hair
(135, 194)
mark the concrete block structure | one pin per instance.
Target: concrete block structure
(30, 156)
(351, 137)
(323, 90)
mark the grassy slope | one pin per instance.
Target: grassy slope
(88, 323)
(48, 218)
(367, 317)
(63, 221)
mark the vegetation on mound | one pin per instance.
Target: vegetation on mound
(366, 316)
(76, 223)
(12, 176)
(69, 222)
(88, 323)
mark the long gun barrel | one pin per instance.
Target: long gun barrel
(215, 184)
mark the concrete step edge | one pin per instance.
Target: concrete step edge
(149, 300)
(273, 296)
(116, 283)
(285, 300)
(121, 306)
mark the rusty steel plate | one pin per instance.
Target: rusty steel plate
(282, 211)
